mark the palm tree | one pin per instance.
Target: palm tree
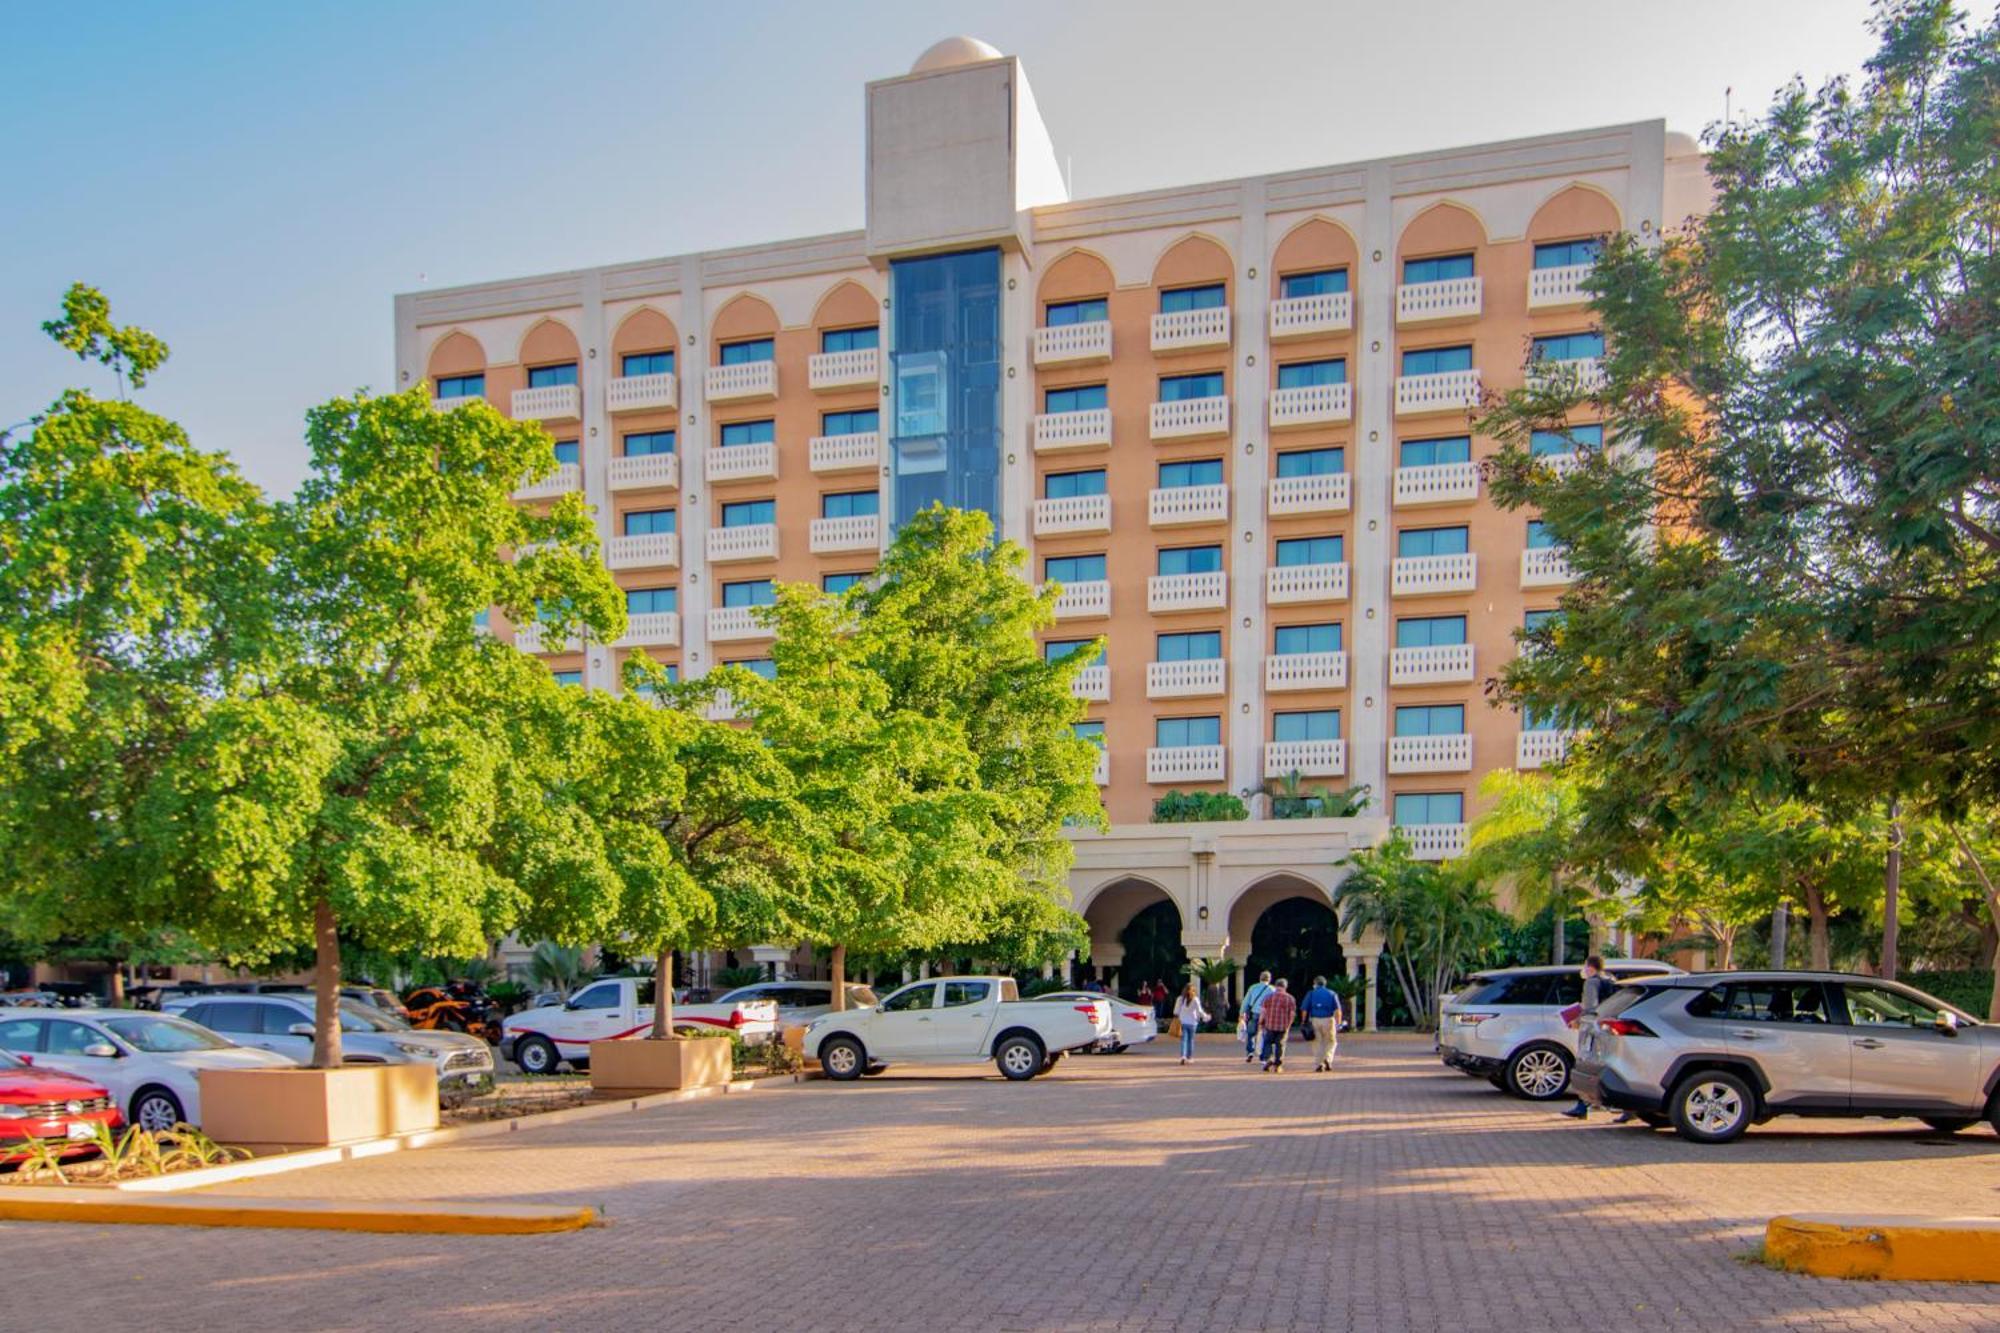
(1214, 974)
(556, 966)
(1434, 920)
(1532, 842)
(1291, 798)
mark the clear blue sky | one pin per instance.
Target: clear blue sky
(255, 181)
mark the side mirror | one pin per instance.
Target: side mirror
(300, 1030)
(102, 1050)
(1947, 1023)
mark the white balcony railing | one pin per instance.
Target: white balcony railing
(741, 462)
(1185, 680)
(855, 532)
(1309, 759)
(1437, 484)
(640, 393)
(741, 382)
(1309, 316)
(1190, 418)
(530, 638)
(1073, 344)
(1432, 302)
(1285, 584)
(860, 452)
(1188, 330)
(1326, 494)
(1187, 592)
(1434, 842)
(1545, 567)
(1431, 664)
(1093, 683)
(1089, 429)
(456, 401)
(751, 541)
(730, 624)
(649, 550)
(1185, 763)
(1430, 754)
(566, 478)
(1176, 506)
(1535, 748)
(1305, 671)
(1446, 391)
(648, 629)
(1586, 372)
(1427, 575)
(1556, 288)
(552, 402)
(856, 369)
(1085, 600)
(640, 472)
(1311, 405)
(1102, 773)
(1072, 513)
(722, 708)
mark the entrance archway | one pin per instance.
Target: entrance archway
(1297, 938)
(1114, 913)
(1153, 950)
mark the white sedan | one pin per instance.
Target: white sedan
(146, 1061)
(1132, 1021)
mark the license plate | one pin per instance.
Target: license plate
(80, 1131)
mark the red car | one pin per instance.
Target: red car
(43, 1104)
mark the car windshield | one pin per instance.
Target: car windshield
(360, 1018)
(164, 1036)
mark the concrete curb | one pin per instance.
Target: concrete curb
(432, 1219)
(1904, 1249)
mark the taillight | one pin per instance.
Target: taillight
(1471, 1020)
(1090, 1009)
(1624, 1027)
(1136, 1014)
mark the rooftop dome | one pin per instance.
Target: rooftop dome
(1682, 145)
(953, 52)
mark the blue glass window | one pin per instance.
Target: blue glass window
(1191, 472)
(836, 584)
(1430, 453)
(567, 451)
(850, 340)
(1307, 374)
(750, 592)
(1437, 268)
(1060, 313)
(1539, 536)
(1173, 733)
(1073, 569)
(1534, 720)
(1208, 296)
(1190, 560)
(1182, 388)
(1201, 646)
(1311, 551)
(1430, 807)
(482, 619)
(1066, 485)
(1430, 720)
(648, 601)
(646, 522)
(850, 504)
(1055, 650)
(1290, 639)
(1322, 282)
(548, 377)
(568, 677)
(461, 386)
(1534, 620)
(1568, 347)
(646, 363)
(1412, 542)
(747, 513)
(1562, 254)
(757, 666)
(1430, 631)
(1083, 398)
(1321, 724)
(945, 446)
(752, 349)
(749, 432)
(641, 444)
(1312, 462)
(1545, 442)
(1436, 360)
(864, 422)
(1088, 731)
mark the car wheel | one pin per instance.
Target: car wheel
(537, 1055)
(1949, 1124)
(1712, 1106)
(156, 1109)
(1019, 1058)
(843, 1059)
(1539, 1073)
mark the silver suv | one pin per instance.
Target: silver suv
(1506, 1025)
(1714, 1053)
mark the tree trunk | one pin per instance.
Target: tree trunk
(1816, 936)
(1892, 890)
(663, 996)
(1558, 945)
(326, 988)
(1781, 920)
(118, 985)
(837, 969)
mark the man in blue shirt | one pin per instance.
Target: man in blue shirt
(1253, 1003)
(1321, 1007)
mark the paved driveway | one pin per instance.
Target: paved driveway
(1121, 1192)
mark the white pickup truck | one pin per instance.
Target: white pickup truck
(956, 1020)
(614, 1008)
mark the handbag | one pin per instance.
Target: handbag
(1306, 1026)
(1174, 1026)
(1570, 1014)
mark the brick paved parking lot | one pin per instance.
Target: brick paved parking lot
(1120, 1192)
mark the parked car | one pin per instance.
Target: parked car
(799, 1002)
(1714, 1053)
(957, 1020)
(283, 1023)
(49, 1104)
(1133, 1022)
(148, 1062)
(1506, 1026)
(615, 1008)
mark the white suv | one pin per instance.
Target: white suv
(1507, 1027)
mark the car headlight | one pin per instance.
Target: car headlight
(413, 1050)
(13, 1113)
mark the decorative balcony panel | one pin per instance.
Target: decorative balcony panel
(554, 402)
(1073, 344)
(1430, 754)
(1093, 683)
(1311, 405)
(1434, 842)
(652, 550)
(1532, 749)
(740, 383)
(1056, 431)
(857, 532)
(1545, 567)
(752, 541)
(643, 393)
(1437, 302)
(645, 472)
(1585, 372)
(1305, 671)
(722, 708)
(566, 478)
(1430, 665)
(1177, 506)
(1187, 592)
(457, 401)
(860, 452)
(1072, 513)
(741, 462)
(1561, 464)
(1311, 316)
(1191, 330)
(1428, 575)
(530, 638)
(1186, 680)
(1448, 391)
(1102, 773)
(1166, 765)
(1309, 495)
(1190, 418)
(733, 624)
(1309, 759)
(860, 368)
(651, 629)
(1437, 484)
(1558, 288)
(1286, 584)
(1088, 600)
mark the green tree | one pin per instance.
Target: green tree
(1195, 807)
(1532, 843)
(559, 967)
(1292, 797)
(1435, 921)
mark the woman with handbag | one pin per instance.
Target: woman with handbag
(1188, 1018)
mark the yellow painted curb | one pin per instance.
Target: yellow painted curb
(1904, 1249)
(433, 1219)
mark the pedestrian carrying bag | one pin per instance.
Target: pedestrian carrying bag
(1306, 1026)
(1174, 1027)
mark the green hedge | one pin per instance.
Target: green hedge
(1971, 989)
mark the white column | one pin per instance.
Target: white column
(600, 663)
(1017, 397)
(923, 971)
(1369, 465)
(1374, 996)
(1048, 971)
(1069, 969)
(1248, 466)
(691, 361)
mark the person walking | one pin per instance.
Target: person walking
(1278, 1011)
(1596, 986)
(1320, 1007)
(1253, 1000)
(1190, 1015)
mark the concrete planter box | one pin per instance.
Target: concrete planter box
(641, 1066)
(266, 1110)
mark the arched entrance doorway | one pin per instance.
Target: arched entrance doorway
(1153, 950)
(1297, 938)
(1134, 932)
